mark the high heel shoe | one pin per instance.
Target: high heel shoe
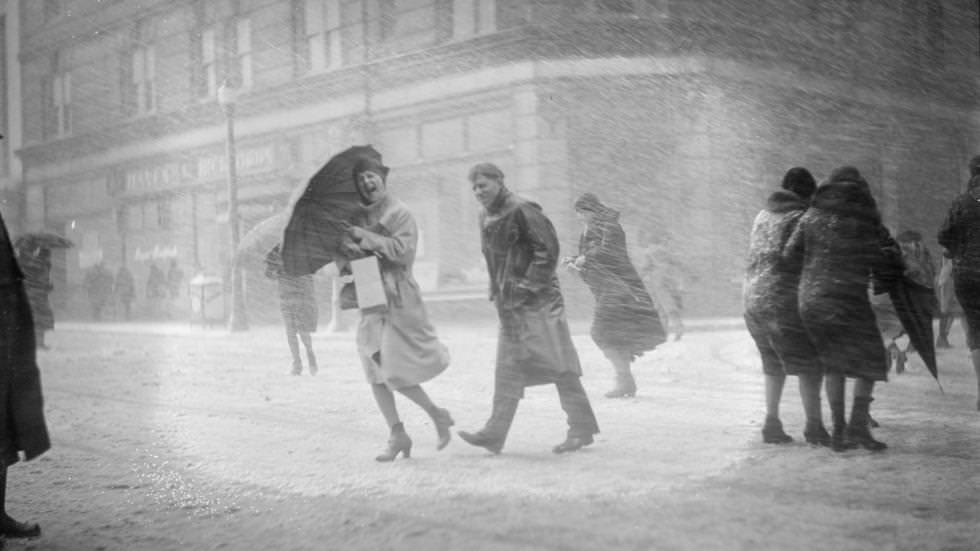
(861, 436)
(398, 443)
(772, 432)
(817, 435)
(443, 421)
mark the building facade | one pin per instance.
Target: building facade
(683, 114)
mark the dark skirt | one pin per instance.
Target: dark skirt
(844, 331)
(623, 323)
(784, 345)
(22, 424)
(41, 308)
(967, 284)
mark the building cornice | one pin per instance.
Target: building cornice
(59, 159)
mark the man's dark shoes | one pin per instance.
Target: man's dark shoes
(481, 439)
(772, 432)
(10, 528)
(573, 443)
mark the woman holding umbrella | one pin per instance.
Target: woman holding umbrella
(841, 244)
(398, 346)
(960, 235)
(35, 261)
(625, 323)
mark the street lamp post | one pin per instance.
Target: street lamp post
(237, 318)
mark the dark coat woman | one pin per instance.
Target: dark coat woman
(36, 265)
(22, 425)
(771, 314)
(625, 323)
(841, 243)
(960, 235)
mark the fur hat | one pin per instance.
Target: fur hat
(799, 181)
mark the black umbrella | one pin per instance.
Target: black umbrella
(320, 216)
(915, 305)
(46, 240)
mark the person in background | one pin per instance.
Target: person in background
(36, 264)
(625, 323)
(297, 302)
(175, 280)
(534, 346)
(960, 235)
(98, 285)
(949, 308)
(22, 425)
(664, 277)
(156, 290)
(771, 314)
(399, 348)
(124, 288)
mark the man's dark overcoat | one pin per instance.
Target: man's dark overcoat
(521, 250)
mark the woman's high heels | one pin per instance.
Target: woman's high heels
(443, 421)
(398, 443)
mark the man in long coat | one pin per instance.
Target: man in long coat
(521, 250)
(22, 425)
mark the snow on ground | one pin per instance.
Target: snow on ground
(182, 438)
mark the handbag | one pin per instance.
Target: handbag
(366, 292)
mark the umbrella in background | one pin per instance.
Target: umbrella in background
(46, 240)
(915, 306)
(267, 234)
(318, 219)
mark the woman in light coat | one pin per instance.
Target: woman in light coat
(398, 346)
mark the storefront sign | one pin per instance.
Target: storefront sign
(252, 160)
(156, 253)
(154, 179)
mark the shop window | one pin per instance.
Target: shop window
(243, 52)
(473, 17)
(208, 70)
(164, 209)
(61, 103)
(321, 25)
(143, 83)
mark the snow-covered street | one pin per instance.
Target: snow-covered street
(199, 439)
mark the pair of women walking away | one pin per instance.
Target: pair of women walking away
(836, 246)
(625, 323)
(398, 347)
(960, 235)
(297, 303)
(535, 347)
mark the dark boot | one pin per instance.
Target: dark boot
(772, 431)
(398, 443)
(582, 424)
(857, 431)
(815, 433)
(573, 443)
(494, 434)
(838, 441)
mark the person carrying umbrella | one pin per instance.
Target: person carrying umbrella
(534, 346)
(960, 235)
(22, 425)
(841, 243)
(398, 346)
(625, 323)
(297, 302)
(35, 261)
